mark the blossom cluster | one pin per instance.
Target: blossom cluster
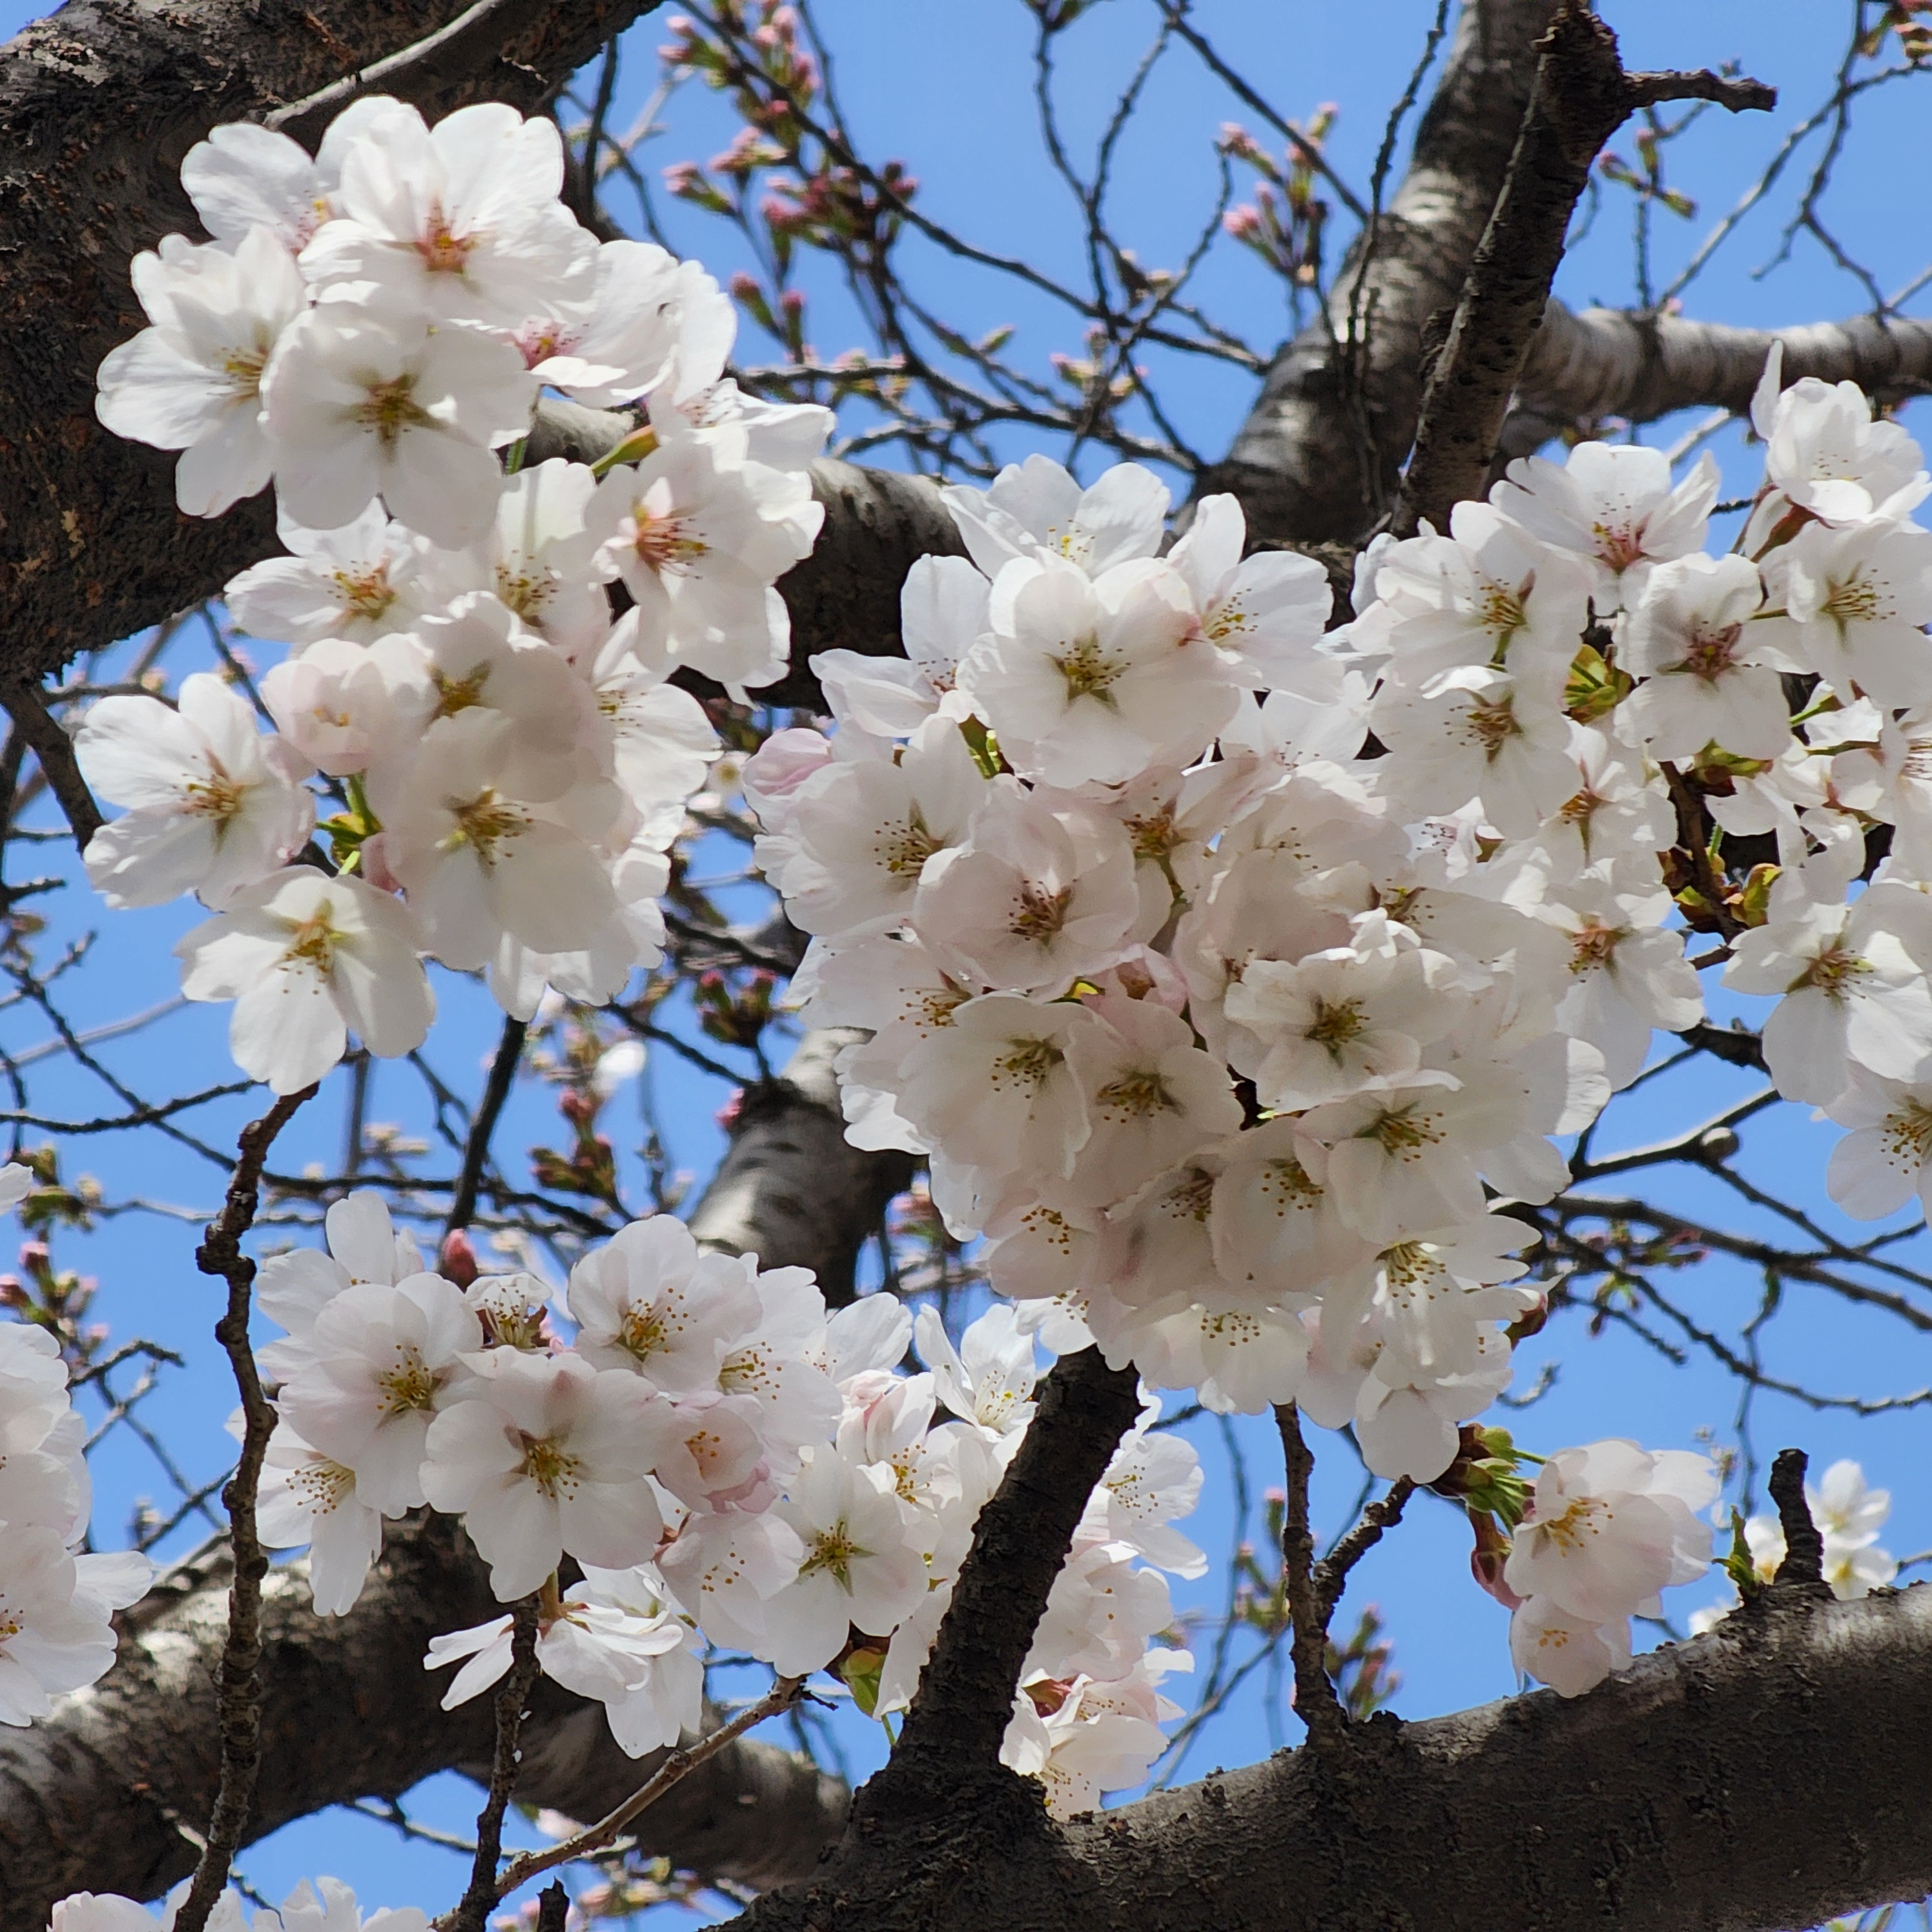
(370, 330)
(326, 1906)
(57, 1599)
(1223, 967)
(720, 1461)
(1607, 1527)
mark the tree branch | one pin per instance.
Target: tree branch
(1667, 1798)
(26, 705)
(965, 1701)
(1599, 362)
(239, 1679)
(98, 105)
(476, 1148)
(1581, 97)
(1804, 1547)
(677, 1766)
(1315, 1697)
(472, 1911)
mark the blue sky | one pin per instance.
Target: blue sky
(947, 90)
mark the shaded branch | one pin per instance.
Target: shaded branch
(1804, 1546)
(1581, 97)
(26, 704)
(483, 1127)
(472, 1912)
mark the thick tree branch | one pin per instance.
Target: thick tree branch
(1585, 365)
(1770, 1773)
(965, 1696)
(791, 1188)
(1581, 97)
(1319, 456)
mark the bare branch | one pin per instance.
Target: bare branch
(1804, 1546)
(677, 1766)
(241, 1690)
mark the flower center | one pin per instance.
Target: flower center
(663, 542)
(1138, 1095)
(554, 1471)
(1405, 1131)
(525, 592)
(832, 1551)
(641, 1332)
(366, 595)
(1594, 946)
(243, 367)
(1710, 654)
(319, 1486)
(1832, 973)
(1578, 1521)
(1337, 1025)
(903, 849)
(216, 796)
(1907, 1134)
(485, 823)
(1855, 602)
(409, 1384)
(1288, 1184)
(444, 253)
(389, 408)
(313, 944)
(1499, 610)
(1040, 913)
(1088, 672)
(459, 694)
(1493, 723)
(1027, 1063)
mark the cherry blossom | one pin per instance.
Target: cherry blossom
(194, 381)
(306, 959)
(213, 804)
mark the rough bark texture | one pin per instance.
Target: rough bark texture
(98, 104)
(1584, 365)
(1771, 1773)
(1319, 456)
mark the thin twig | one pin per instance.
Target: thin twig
(1315, 1696)
(238, 1686)
(472, 1912)
(1331, 1573)
(54, 749)
(680, 1765)
(476, 1149)
(476, 37)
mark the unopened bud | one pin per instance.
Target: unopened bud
(457, 1260)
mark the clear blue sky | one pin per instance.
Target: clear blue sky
(947, 89)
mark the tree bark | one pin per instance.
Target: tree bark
(1317, 458)
(1770, 1773)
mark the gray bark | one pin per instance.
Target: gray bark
(1600, 362)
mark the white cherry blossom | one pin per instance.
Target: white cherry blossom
(1036, 508)
(194, 381)
(306, 959)
(361, 404)
(213, 804)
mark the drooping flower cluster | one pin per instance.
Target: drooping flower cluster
(722, 1462)
(370, 331)
(57, 1599)
(1218, 1014)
